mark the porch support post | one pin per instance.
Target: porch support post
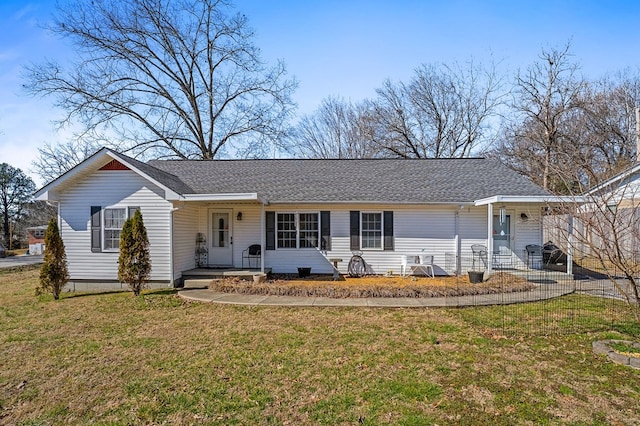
(570, 245)
(489, 237)
(263, 238)
(457, 243)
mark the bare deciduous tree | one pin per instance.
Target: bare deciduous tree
(609, 136)
(55, 159)
(444, 111)
(337, 129)
(168, 78)
(546, 96)
(605, 234)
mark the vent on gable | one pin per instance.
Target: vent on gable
(114, 165)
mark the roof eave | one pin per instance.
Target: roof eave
(242, 196)
(529, 199)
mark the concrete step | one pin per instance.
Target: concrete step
(197, 283)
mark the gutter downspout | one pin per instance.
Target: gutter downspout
(263, 237)
(489, 237)
(570, 248)
(457, 242)
(171, 257)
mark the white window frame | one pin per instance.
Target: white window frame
(105, 228)
(289, 231)
(362, 239)
(297, 230)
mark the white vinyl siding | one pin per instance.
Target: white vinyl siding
(185, 230)
(113, 189)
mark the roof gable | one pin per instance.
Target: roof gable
(106, 159)
(114, 165)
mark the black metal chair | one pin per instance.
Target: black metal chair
(254, 251)
(479, 255)
(534, 256)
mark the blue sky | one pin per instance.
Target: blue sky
(346, 48)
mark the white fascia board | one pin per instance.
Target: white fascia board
(528, 199)
(245, 196)
(367, 203)
(46, 193)
(42, 195)
(619, 177)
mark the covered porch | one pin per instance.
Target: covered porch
(212, 235)
(510, 231)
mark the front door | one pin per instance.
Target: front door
(220, 237)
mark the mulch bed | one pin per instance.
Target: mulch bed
(376, 286)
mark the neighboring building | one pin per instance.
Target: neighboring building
(35, 239)
(302, 212)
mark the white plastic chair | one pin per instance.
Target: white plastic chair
(425, 262)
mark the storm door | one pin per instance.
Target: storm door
(220, 238)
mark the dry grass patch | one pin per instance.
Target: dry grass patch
(375, 286)
(157, 359)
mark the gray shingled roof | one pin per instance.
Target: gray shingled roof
(331, 181)
(169, 180)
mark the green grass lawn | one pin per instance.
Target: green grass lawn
(115, 359)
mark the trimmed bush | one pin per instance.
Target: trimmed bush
(134, 263)
(53, 273)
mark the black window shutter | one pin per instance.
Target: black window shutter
(354, 229)
(325, 230)
(388, 230)
(271, 230)
(96, 229)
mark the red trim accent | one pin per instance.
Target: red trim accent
(114, 165)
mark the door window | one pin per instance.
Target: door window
(501, 233)
(220, 230)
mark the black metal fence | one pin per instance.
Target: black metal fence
(553, 302)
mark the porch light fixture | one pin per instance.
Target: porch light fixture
(524, 217)
(239, 216)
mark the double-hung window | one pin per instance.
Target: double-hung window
(114, 219)
(371, 230)
(297, 230)
(309, 230)
(286, 230)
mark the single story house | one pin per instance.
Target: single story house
(303, 212)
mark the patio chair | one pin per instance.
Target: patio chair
(534, 256)
(424, 262)
(479, 255)
(254, 251)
